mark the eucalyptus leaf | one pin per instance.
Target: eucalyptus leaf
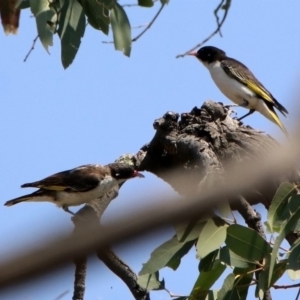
(287, 227)
(71, 30)
(243, 278)
(151, 282)
(189, 231)
(293, 265)
(246, 243)
(280, 200)
(97, 13)
(212, 237)
(205, 280)
(146, 3)
(226, 287)
(233, 260)
(164, 254)
(121, 29)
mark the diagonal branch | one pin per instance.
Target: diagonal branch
(90, 215)
(150, 24)
(226, 7)
(31, 49)
(146, 28)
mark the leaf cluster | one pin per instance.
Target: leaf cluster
(222, 244)
(69, 18)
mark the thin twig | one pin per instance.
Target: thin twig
(217, 16)
(277, 287)
(145, 30)
(140, 26)
(226, 7)
(32, 48)
(298, 294)
(150, 24)
(59, 297)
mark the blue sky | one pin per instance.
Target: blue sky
(104, 105)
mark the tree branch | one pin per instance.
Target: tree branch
(124, 272)
(225, 7)
(253, 220)
(31, 49)
(90, 214)
(146, 28)
(149, 24)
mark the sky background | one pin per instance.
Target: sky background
(104, 105)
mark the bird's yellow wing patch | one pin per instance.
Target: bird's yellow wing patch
(259, 90)
(241, 73)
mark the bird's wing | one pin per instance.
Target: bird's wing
(240, 72)
(80, 179)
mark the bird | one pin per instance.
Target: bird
(239, 84)
(77, 186)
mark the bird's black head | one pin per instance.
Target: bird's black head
(122, 171)
(209, 54)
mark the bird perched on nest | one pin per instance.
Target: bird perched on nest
(239, 84)
(77, 186)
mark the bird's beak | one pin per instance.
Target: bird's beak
(138, 174)
(192, 53)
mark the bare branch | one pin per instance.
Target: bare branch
(145, 30)
(124, 272)
(225, 7)
(31, 49)
(150, 24)
(288, 286)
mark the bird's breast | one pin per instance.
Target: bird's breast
(231, 88)
(78, 198)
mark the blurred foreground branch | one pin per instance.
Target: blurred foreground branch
(206, 156)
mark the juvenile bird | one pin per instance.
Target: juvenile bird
(77, 186)
(239, 84)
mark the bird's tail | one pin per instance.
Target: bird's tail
(267, 109)
(17, 200)
(40, 195)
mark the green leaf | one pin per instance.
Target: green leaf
(121, 29)
(145, 3)
(164, 254)
(43, 16)
(163, 2)
(278, 271)
(293, 265)
(280, 200)
(151, 282)
(212, 237)
(188, 231)
(246, 243)
(71, 30)
(286, 228)
(97, 12)
(22, 4)
(206, 279)
(212, 295)
(233, 260)
(207, 263)
(243, 278)
(262, 285)
(224, 209)
(226, 287)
